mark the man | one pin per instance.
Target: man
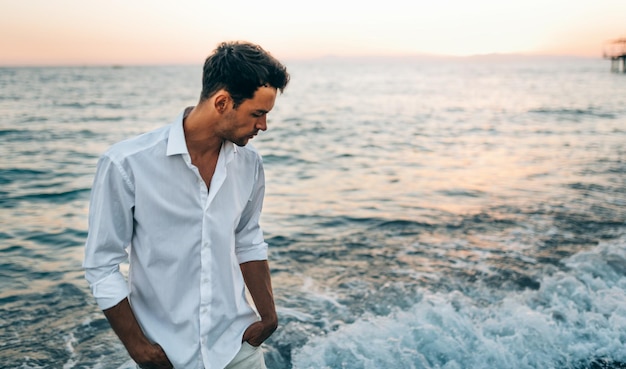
(183, 203)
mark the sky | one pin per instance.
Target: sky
(85, 32)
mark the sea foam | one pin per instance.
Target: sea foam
(576, 317)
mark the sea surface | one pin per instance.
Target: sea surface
(462, 213)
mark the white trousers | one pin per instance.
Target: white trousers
(248, 357)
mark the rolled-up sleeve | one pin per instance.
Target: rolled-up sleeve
(250, 244)
(110, 232)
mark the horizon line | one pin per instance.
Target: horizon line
(321, 58)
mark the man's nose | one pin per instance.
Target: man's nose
(261, 124)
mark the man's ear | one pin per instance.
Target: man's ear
(222, 101)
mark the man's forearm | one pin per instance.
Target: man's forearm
(256, 275)
(140, 349)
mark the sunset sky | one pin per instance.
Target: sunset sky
(47, 32)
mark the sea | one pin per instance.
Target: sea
(421, 212)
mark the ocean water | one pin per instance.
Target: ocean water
(448, 214)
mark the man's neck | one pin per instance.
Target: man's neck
(198, 136)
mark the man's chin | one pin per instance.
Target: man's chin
(242, 142)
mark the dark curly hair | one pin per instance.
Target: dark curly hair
(241, 68)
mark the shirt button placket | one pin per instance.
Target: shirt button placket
(205, 278)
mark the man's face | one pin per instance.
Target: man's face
(243, 123)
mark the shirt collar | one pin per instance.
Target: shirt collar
(229, 150)
(176, 141)
(177, 145)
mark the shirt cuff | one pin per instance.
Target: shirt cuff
(251, 254)
(110, 290)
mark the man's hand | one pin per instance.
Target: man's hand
(259, 331)
(152, 357)
(146, 354)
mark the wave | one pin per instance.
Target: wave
(574, 113)
(49, 312)
(460, 192)
(18, 174)
(270, 159)
(61, 239)
(53, 197)
(102, 118)
(89, 104)
(8, 132)
(576, 319)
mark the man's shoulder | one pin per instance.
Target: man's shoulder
(139, 144)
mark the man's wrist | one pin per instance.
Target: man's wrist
(271, 322)
(140, 350)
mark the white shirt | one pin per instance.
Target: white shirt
(184, 243)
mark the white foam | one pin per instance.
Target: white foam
(70, 341)
(578, 314)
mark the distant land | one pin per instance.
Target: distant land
(495, 57)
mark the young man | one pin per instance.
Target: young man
(185, 201)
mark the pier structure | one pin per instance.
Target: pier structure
(615, 51)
